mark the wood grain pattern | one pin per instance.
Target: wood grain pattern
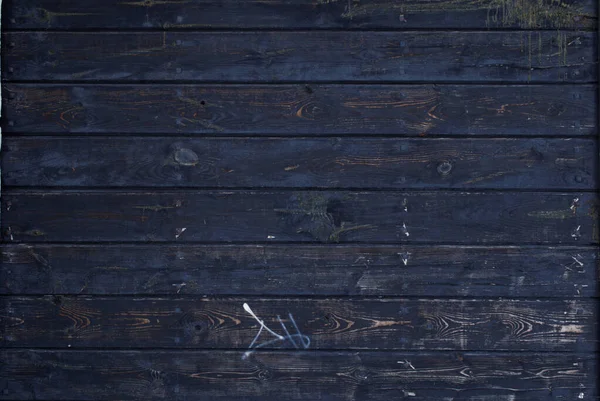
(408, 324)
(303, 56)
(327, 376)
(301, 109)
(303, 216)
(300, 163)
(205, 14)
(289, 270)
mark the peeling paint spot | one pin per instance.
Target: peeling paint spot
(572, 328)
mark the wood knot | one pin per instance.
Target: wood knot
(185, 157)
(265, 374)
(444, 168)
(361, 375)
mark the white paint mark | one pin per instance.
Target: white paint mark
(405, 230)
(572, 328)
(577, 260)
(304, 339)
(270, 237)
(407, 363)
(179, 286)
(409, 393)
(405, 259)
(179, 231)
(576, 234)
(262, 324)
(405, 204)
(581, 395)
(574, 204)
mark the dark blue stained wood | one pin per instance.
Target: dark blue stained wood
(289, 270)
(225, 323)
(303, 162)
(301, 109)
(327, 376)
(143, 206)
(303, 56)
(301, 216)
(364, 14)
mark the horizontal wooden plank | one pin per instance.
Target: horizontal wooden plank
(195, 14)
(302, 109)
(410, 324)
(302, 56)
(295, 163)
(333, 270)
(303, 216)
(299, 375)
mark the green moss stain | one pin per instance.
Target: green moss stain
(319, 216)
(534, 14)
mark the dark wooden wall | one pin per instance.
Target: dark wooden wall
(412, 183)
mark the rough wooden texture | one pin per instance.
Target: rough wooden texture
(304, 216)
(299, 270)
(204, 14)
(410, 324)
(301, 109)
(327, 376)
(303, 56)
(303, 162)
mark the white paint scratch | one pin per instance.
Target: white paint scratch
(405, 230)
(305, 340)
(577, 260)
(179, 286)
(574, 204)
(576, 234)
(270, 237)
(179, 231)
(405, 256)
(407, 363)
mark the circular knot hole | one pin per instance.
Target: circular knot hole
(444, 168)
(186, 157)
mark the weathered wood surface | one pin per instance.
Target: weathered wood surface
(303, 216)
(286, 375)
(303, 162)
(206, 14)
(410, 324)
(303, 56)
(301, 109)
(289, 270)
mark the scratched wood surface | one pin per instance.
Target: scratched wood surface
(299, 14)
(282, 270)
(277, 375)
(281, 200)
(307, 109)
(300, 56)
(301, 216)
(303, 162)
(331, 324)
